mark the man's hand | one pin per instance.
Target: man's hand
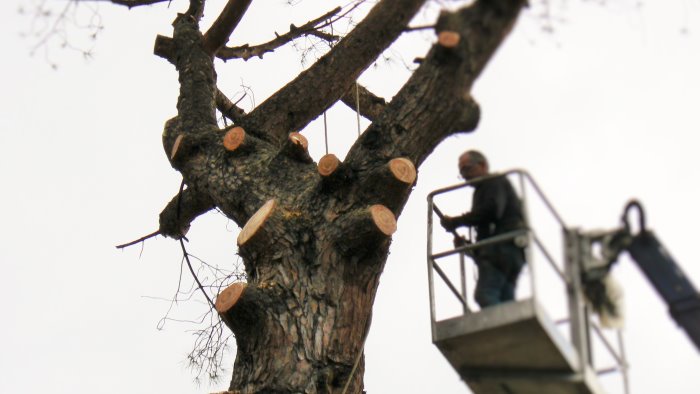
(459, 241)
(449, 223)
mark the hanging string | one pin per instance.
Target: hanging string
(357, 106)
(325, 130)
(325, 119)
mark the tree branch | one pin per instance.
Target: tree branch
(196, 9)
(164, 48)
(220, 31)
(176, 217)
(371, 106)
(315, 89)
(134, 242)
(195, 123)
(228, 108)
(137, 3)
(245, 52)
(435, 102)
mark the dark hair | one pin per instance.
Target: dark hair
(476, 157)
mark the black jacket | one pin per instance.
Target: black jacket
(496, 208)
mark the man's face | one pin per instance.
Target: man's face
(470, 170)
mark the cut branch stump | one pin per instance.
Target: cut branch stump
(228, 298)
(240, 307)
(334, 174)
(403, 170)
(448, 39)
(363, 228)
(235, 139)
(328, 164)
(254, 230)
(296, 146)
(390, 183)
(176, 146)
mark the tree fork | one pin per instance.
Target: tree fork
(442, 81)
(343, 64)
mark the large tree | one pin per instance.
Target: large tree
(315, 236)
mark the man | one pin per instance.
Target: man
(496, 209)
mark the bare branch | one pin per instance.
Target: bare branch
(245, 52)
(145, 237)
(194, 275)
(61, 25)
(219, 33)
(134, 3)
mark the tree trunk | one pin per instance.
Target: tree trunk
(316, 238)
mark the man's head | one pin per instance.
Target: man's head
(473, 164)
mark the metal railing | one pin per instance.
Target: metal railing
(578, 316)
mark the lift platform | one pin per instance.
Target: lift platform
(515, 347)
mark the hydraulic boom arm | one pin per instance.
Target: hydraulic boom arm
(665, 275)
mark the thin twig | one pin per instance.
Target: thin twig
(245, 52)
(189, 264)
(145, 237)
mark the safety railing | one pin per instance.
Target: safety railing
(580, 331)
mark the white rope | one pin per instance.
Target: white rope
(325, 130)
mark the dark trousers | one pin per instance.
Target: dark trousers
(499, 268)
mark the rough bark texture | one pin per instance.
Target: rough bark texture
(314, 255)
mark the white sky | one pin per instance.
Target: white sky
(600, 111)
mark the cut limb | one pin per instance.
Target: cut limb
(390, 183)
(239, 307)
(403, 170)
(296, 147)
(328, 164)
(448, 39)
(299, 140)
(363, 228)
(383, 219)
(176, 146)
(256, 222)
(228, 298)
(234, 138)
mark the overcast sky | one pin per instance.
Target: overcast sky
(602, 109)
